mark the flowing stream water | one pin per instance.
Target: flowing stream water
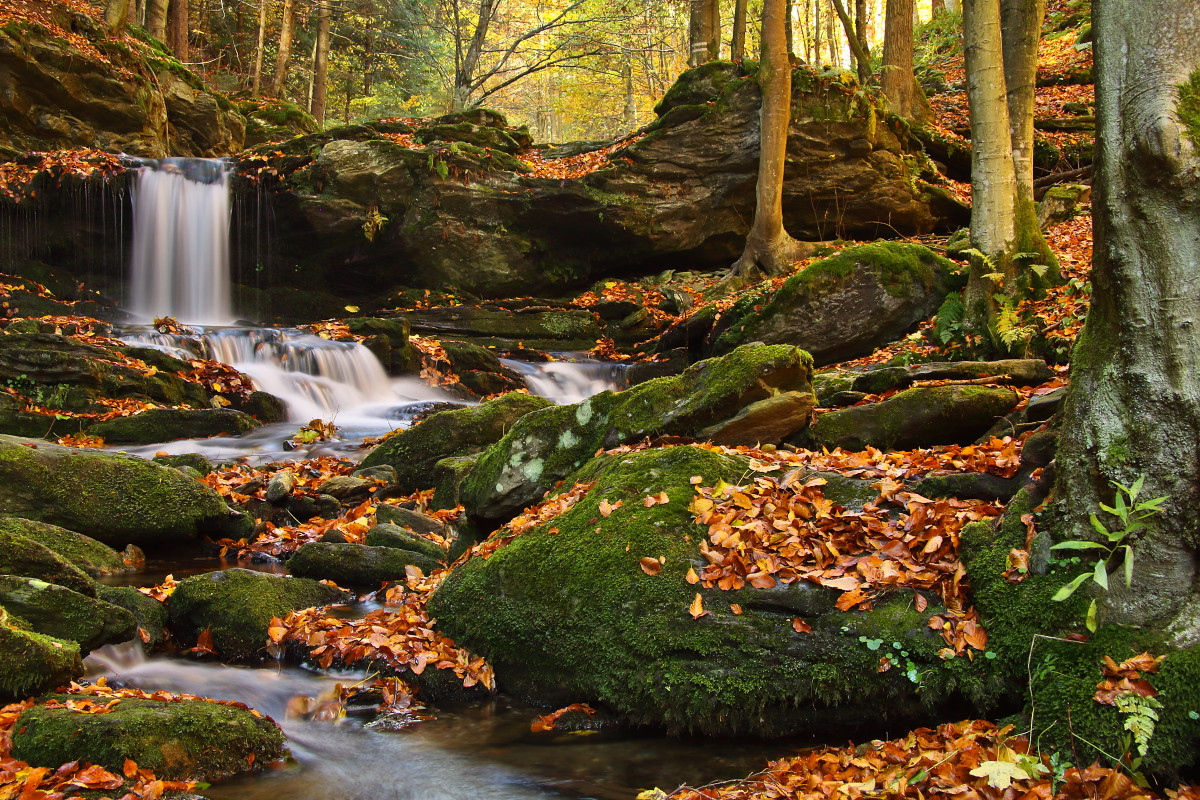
(485, 751)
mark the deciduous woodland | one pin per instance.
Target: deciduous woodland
(678, 400)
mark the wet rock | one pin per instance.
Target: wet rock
(57, 611)
(82, 552)
(20, 555)
(117, 499)
(385, 473)
(767, 421)
(544, 446)
(413, 453)
(552, 329)
(195, 461)
(264, 407)
(842, 307)
(407, 518)
(168, 424)
(190, 739)
(236, 606)
(355, 564)
(346, 488)
(386, 535)
(150, 614)
(280, 486)
(919, 417)
(31, 663)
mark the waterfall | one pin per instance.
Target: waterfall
(180, 263)
(569, 381)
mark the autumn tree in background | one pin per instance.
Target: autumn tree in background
(769, 249)
(321, 61)
(705, 31)
(1133, 407)
(896, 77)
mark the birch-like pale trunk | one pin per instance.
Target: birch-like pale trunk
(156, 19)
(1133, 407)
(258, 52)
(284, 56)
(321, 61)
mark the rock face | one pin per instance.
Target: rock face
(117, 499)
(31, 663)
(190, 739)
(845, 306)
(358, 565)
(63, 614)
(565, 610)
(456, 215)
(545, 446)
(95, 92)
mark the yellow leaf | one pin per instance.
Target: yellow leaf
(692, 577)
(696, 609)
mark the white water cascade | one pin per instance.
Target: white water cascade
(180, 264)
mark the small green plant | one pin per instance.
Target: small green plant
(1141, 715)
(1132, 515)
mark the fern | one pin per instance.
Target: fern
(1008, 326)
(1140, 717)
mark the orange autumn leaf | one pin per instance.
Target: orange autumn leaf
(800, 626)
(691, 576)
(650, 566)
(849, 600)
(696, 609)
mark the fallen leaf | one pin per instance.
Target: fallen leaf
(800, 626)
(650, 566)
(696, 609)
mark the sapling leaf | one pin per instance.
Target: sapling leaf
(1100, 575)
(1069, 589)
(1109, 509)
(1128, 566)
(1122, 510)
(1092, 620)
(1078, 545)
(1098, 525)
(1137, 487)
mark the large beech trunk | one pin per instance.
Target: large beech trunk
(1134, 404)
(737, 48)
(156, 19)
(896, 74)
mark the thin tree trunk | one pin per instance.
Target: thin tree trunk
(630, 103)
(321, 60)
(938, 8)
(156, 19)
(737, 49)
(769, 249)
(816, 32)
(712, 21)
(284, 56)
(1133, 407)
(862, 59)
(116, 15)
(258, 53)
(177, 32)
(835, 50)
(896, 74)
(860, 36)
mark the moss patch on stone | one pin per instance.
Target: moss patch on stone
(150, 615)
(356, 564)
(1187, 107)
(83, 552)
(22, 556)
(31, 663)
(59, 612)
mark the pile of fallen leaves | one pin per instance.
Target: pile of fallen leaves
(15, 178)
(787, 530)
(399, 636)
(577, 166)
(968, 760)
(435, 364)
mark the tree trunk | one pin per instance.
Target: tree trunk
(321, 61)
(860, 36)
(116, 15)
(896, 75)
(258, 53)
(769, 249)
(737, 48)
(630, 102)
(284, 56)
(816, 33)
(156, 19)
(993, 183)
(862, 58)
(1133, 407)
(177, 29)
(698, 32)
(835, 48)
(937, 7)
(1021, 28)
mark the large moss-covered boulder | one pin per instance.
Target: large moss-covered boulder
(31, 663)
(919, 417)
(396, 537)
(844, 306)
(150, 614)
(83, 552)
(22, 556)
(460, 432)
(59, 612)
(236, 607)
(566, 611)
(543, 447)
(117, 499)
(168, 424)
(190, 739)
(356, 564)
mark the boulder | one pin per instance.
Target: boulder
(842, 307)
(460, 432)
(544, 446)
(82, 552)
(347, 488)
(31, 663)
(357, 565)
(63, 614)
(117, 499)
(168, 424)
(1060, 203)
(150, 614)
(1011, 371)
(920, 417)
(533, 327)
(236, 607)
(23, 556)
(566, 610)
(385, 535)
(407, 518)
(182, 740)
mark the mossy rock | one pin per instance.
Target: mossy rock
(195, 461)
(168, 424)
(23, 556)
(545, 446)
(356, 564)
(31, 663)
(920, 417)
(460, 432)
(395, 330)
(236, 606)
(448, 477)
(844, 306)
(387, 535)
(117, 499)
(150, 614)
(699, 86)
(82, 552)
(190, 739)
(1017, 372)
(63, 614)
(566, 611)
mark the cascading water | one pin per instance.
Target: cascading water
(569, 381)
(180, 264)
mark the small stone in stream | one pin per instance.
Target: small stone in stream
(133, 557)
(840, 399)
(357, 565)
(328, 506)
(334, 537)
(280, 486)
(266, 408)
(407, 518)
(346, 488)
(379, 472)
(250, 486)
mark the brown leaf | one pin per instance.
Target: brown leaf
(696, 609)
(650, 566)
(800, 626)
(691, 576)
(921, 602)
(605, 508)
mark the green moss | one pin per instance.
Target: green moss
(566, 611)
(1187, 107)
(150, 614)
(236, 606)
(59, 612)
(81, 551)
(20, 555)
(177, 740)
(31, 663)
(357, 565)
